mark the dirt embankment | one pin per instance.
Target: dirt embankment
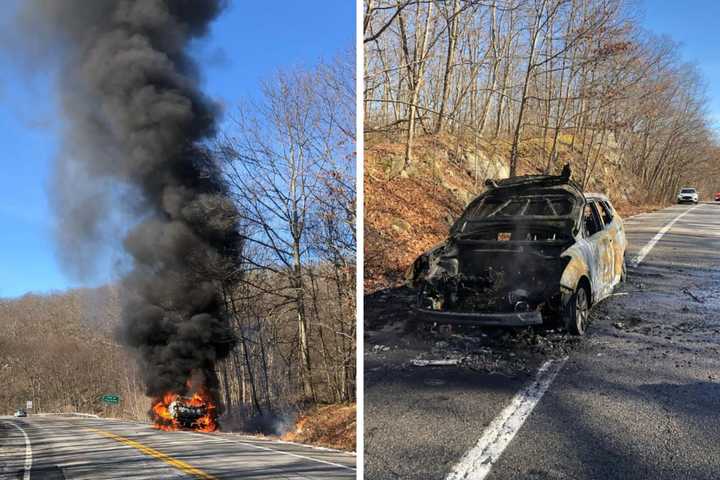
(409, 208)
(331, 426)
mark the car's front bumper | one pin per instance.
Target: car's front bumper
(514, 319)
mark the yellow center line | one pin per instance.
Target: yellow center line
(179, 464)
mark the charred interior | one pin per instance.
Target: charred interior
(488, 278)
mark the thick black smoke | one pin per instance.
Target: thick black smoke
(135, 124)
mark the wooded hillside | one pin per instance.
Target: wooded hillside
(541, 72)
(458, 91)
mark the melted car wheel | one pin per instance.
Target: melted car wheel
(577, 312)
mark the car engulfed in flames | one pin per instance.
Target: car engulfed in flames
(529, 250)
(197, 412)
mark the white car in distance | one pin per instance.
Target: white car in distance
(687, 195)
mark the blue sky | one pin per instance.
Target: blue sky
(696, 25)
(247, 44)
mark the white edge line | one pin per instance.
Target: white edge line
(649, 246)
(28, 451)
(209, 437)
(69, 414)
(217, 439)
(245, 437)
(224, 438)
(234, 436)
(477, 462)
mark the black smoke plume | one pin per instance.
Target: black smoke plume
(135, 122)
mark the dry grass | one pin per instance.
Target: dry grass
(406, 213)
(332, 426)
(627, 210)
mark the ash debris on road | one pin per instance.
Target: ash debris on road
(626, 323)
(395, 341)
(669, 313)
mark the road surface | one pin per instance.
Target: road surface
(54, 448)
(638, 397)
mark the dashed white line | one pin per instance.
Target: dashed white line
(477, 462)
(649, 246)
(28, 451)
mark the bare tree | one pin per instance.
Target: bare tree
(577, 77)
(289, 161)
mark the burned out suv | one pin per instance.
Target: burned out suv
(186, 413)
(529, 250)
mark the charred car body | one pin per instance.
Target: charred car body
(529, 250)
(186, 413)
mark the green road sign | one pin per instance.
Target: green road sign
(114, 399)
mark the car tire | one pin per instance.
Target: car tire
(576, 312)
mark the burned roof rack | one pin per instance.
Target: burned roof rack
(539, 180)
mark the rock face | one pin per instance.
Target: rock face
(479, 163)
(409, 207)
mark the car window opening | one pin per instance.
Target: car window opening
(591, 220)
(541, 206)
(605, 213)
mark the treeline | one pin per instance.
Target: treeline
(288, 158)
(61, 351)
(58, 351)
(578, 72)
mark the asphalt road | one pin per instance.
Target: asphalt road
(95, 449)
(638, 397)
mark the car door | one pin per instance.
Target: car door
(601, 263)
(614, 227)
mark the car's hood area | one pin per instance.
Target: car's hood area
(499, 267)
(508, 250)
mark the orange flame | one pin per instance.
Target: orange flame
(164, 419)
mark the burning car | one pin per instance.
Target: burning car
(186, 413)
(529, 250)
(178, 412)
